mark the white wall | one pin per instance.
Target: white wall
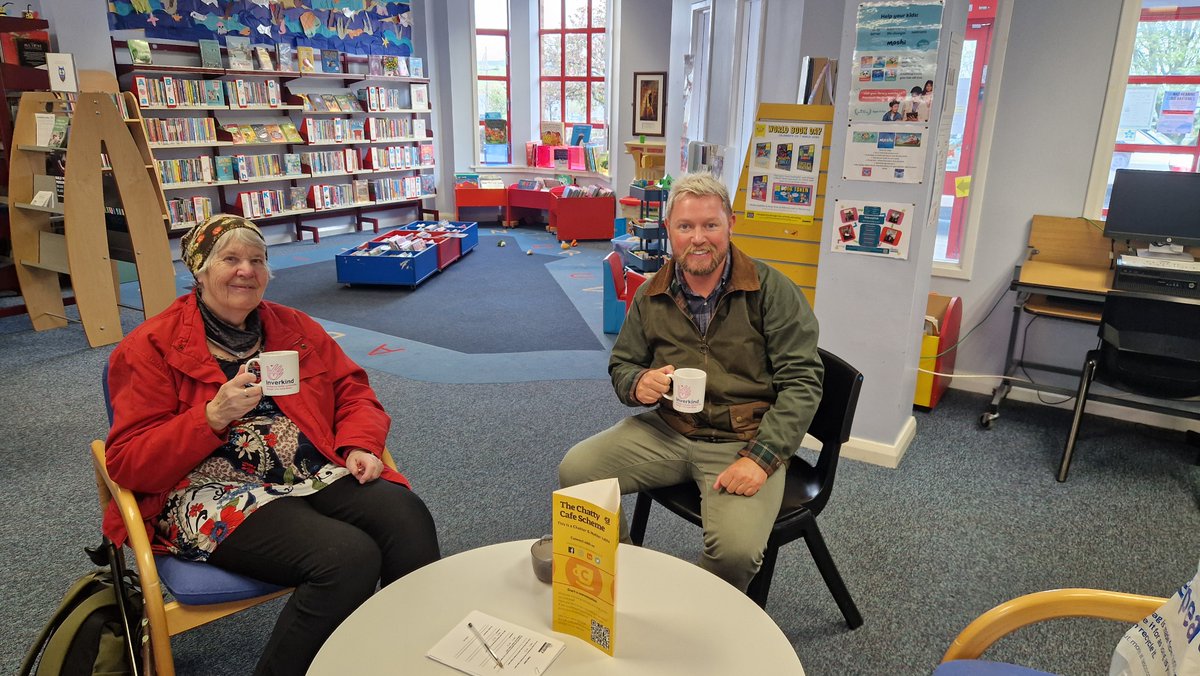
(640, 45)
(80, 28)
(1050, 100)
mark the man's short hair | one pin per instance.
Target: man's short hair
(700, 184)
(893, 102)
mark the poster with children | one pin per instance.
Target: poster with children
(785, 162)
(895, 60)
(872, 228)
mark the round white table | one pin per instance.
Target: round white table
(672, 618)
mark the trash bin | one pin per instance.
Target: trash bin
(943, 316)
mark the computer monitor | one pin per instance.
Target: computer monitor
(1161, 207)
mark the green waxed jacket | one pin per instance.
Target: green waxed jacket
(760, 354)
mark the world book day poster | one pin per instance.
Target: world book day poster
(586, 530)
(785, 165)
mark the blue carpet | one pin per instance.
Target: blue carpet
(457, 309)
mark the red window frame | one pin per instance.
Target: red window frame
(1152, 15)
(506, 79)
(562, 78)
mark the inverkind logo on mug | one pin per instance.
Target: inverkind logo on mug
(280, 372)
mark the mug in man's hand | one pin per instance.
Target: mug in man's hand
(279, 372)
(688, 388)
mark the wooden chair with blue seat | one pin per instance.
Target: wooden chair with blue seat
(962, 659)
(201, 593)
(805, 495)
(1149, 345)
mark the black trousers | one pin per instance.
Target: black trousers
(334, 547)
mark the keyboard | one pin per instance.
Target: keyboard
(1160, 263)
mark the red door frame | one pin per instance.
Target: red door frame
(980, 21)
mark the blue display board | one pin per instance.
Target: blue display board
(355, 26)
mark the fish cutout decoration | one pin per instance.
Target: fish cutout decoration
(198, 17)
(309, 22)
(368, 28)
(405, 19)
(341, 28)
(265, 29)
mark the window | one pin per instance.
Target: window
(492, 80)
(1158, 121)
(573, 43)
(964, 134)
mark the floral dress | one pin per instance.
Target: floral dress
(266, 457)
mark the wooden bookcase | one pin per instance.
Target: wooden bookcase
(73, 238)
(290, 85)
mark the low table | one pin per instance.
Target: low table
(672, 618)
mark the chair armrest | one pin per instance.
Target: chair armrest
(1047, 605)
(131, 516)
(387, 459)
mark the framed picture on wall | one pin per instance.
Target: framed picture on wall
(650, 101)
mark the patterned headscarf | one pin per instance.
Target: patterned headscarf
(198, 243)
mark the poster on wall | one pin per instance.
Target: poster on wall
(885, 153)
(872, 228)
(785, 162)
(895, 59)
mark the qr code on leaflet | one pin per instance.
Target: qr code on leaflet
(601, 635)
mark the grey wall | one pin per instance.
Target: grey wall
(1050, 99)
(80, 28)
(640, 44)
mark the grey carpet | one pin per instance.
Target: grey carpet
(971, 518)
(494, 299)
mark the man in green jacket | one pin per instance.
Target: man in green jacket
(748, 327)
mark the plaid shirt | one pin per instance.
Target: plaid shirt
(701, 308)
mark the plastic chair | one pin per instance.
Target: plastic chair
(1149, 345)
(622, 284)
(1004, 619)
(808, 489)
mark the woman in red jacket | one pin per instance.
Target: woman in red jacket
(283, 489)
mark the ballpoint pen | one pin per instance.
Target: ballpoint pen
(485, 644)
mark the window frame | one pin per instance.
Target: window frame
(506, 79)
(562, 78)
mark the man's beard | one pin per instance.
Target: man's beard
(715, 261)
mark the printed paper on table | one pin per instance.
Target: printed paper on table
(785, 164)
(523, 652)
(586, 530)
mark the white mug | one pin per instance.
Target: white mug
(688, 385)
(279, 372)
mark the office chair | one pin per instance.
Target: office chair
(808, 489)
(1149, 345)
(962, 657)
(202, 593)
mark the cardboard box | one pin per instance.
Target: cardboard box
(943, 316)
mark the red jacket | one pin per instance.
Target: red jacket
(162, 376)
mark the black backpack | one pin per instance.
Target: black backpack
(97, 629)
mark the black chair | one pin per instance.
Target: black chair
(1149, 345)
(808, 489)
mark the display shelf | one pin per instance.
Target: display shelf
(290, 109)
(58, 210)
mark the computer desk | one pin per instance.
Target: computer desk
(1066, 274)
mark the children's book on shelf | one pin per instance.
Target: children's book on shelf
(223, 167)
(210, 54)
(276, 133)
(531, 153)
(420, 96)
(307, 58)
(331, 61)
(418, 128)
(291, 164)
(402, 66)
(426, 156)
(495, 131)
(61, 67)
(59, 131)
(264, 58)
(374, 65)
(139, 52)
(528, 184)
(416, 66)
(552, 133)
(580, 134)
(239, 52)
(561, 158)
(261, 134)
(491, 181)
(285, 55)
(466, 179)
(290, 132)
(347, 103)
(390, 65)
(428, 184)
(214, 93)
(247, 133)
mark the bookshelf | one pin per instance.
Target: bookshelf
(76, 237)
(361, 148)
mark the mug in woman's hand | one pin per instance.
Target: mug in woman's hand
(279, 372)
